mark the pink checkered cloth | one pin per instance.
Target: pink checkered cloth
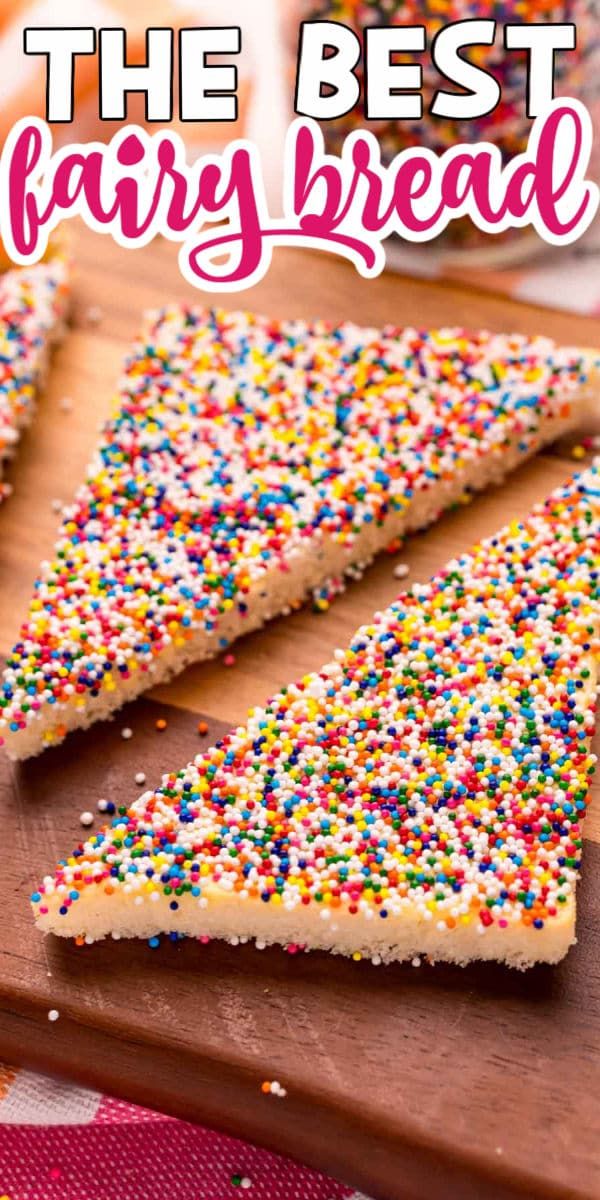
(59, 1142)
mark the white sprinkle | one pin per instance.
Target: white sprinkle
(53, 1014)
(126, 733)
(140, 777)
(401, 570)
(87, 818)
(416, 961)
(94, 314)
(102, 805)
(245, 1183)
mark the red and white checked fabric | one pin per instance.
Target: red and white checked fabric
(59, 1142)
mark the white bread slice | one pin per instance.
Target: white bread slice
(247, 463)
(33, 303)
(422, 794)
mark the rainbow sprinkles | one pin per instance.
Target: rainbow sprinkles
(248, 462)
(421, 794)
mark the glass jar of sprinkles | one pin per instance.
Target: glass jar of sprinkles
(577, 74)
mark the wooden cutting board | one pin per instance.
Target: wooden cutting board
(429, 1083)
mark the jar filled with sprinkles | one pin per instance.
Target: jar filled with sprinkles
(576, 74)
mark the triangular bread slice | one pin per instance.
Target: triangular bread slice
(422, 794)
(33, 302)
(248, 462)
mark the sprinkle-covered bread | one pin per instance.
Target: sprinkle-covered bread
(248, 462)
(423, 794)
(33, 303)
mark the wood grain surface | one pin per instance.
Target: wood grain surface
(411, 1084)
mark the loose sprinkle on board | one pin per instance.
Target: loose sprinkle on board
(401, 570)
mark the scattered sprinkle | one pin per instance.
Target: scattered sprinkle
(126, 733)
(401, 570)
(161, 725)
(140, 778)
(53, 1014)
(32, 302)
(241, 1181)
(273, 1088)
(87, 818)
(229, 660)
